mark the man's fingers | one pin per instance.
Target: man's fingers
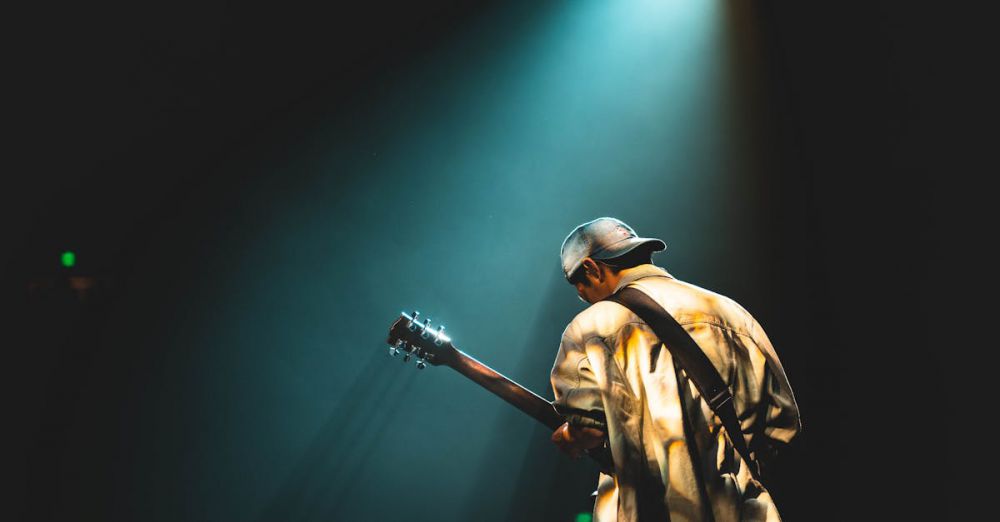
(573, 441)
(558, 435)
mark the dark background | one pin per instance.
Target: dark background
(216, 169)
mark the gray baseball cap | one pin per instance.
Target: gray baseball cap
(602, 238)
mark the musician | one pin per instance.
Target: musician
(622, 391)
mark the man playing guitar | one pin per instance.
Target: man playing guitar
(621, 389)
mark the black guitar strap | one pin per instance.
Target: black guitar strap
(693, 360)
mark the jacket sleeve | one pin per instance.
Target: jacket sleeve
(576, 388)
(780, 411)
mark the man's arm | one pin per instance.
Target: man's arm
(781, 412)
(578, 398)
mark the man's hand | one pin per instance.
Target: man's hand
(574, 441)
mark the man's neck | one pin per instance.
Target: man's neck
(627, 275)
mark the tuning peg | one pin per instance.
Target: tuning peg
(394, 349)
(413, 320)
(424, 329)
(406, 357)
(437, 336)
(421, 364)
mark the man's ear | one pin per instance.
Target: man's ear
(591, 268)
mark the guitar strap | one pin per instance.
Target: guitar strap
(695, 363)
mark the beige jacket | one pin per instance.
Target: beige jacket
(658, 425)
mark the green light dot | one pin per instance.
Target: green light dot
(68, 259)
(584, 517)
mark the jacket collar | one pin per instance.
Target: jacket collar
(630, 275)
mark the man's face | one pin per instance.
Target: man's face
(599, 282)
(587, 293)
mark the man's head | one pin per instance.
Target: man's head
(594, 254)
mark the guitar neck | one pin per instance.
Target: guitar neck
(418, 339)
(508, 390)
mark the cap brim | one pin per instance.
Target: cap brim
(627, 245)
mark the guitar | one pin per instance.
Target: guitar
(415, 339)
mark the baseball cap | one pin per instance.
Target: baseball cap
(602, 238)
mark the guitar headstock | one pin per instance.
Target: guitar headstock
(415, 338)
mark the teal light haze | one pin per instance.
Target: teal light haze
(448, 187)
